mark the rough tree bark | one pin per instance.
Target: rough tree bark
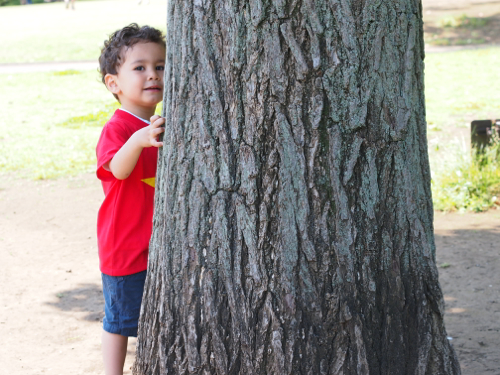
(293, 222)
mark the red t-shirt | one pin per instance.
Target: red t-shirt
(125, 219)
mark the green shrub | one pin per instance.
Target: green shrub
(472, 184)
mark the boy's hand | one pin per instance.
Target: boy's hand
(124, 161)
(148, 136)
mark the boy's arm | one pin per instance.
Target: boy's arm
(123, 162)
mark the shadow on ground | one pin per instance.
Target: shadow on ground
(86, 298)
(468, 261)
(463, 30)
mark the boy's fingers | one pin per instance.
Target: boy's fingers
(154, 118)
(153, 133)
(159, 121)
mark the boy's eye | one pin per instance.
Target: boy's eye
(139, 68)
(161, 67)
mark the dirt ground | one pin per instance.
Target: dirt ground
(50, 288)
(51, 297)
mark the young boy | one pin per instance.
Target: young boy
(132, 65)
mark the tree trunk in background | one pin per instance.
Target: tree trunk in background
(293, 225)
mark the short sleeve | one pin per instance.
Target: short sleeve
(112, 138)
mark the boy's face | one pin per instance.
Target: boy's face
(139, 81)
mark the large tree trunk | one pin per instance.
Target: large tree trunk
(293, 221)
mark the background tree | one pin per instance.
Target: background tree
(293, 221)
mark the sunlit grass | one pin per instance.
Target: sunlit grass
(95, 118)
(51, 122)
(49, 32)
(460, 88)
(40, 137)
(69, 72)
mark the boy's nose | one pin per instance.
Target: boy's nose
(155, 75)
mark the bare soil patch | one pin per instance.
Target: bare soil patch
(51, 306)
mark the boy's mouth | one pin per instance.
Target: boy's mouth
(153, 88)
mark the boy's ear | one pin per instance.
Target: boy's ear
(111, 81)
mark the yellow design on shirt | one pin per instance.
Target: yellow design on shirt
(149, 181)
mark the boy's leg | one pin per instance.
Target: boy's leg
(114, 351)
(122, 306)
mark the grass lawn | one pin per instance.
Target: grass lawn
(462, 86)
(35, 139)
(51, 121)
(49, 32)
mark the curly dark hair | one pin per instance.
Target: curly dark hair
(112, 52)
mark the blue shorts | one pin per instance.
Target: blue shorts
(122, 303)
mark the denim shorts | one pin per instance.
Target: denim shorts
(122, 303)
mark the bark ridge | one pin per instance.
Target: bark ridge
(293, 216)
